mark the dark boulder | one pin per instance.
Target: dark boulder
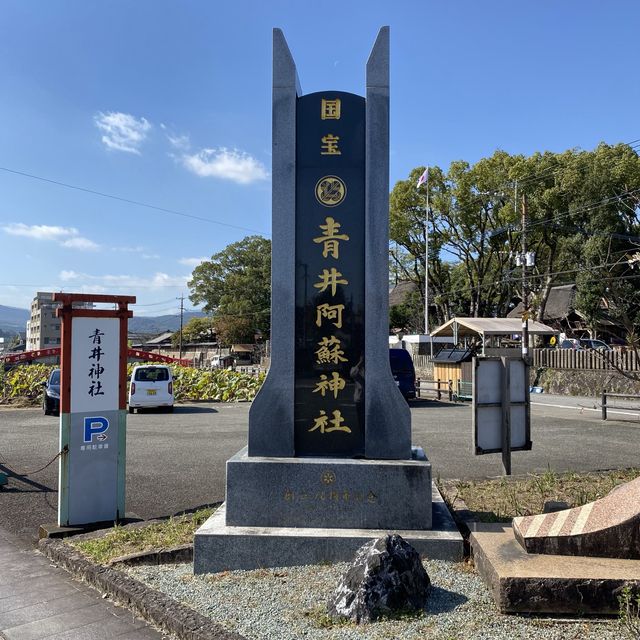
(386, 577)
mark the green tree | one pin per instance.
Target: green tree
(582, 212)
(196, 330)
(582, 225)
(234, 287)
(466, 205)
(235, 330)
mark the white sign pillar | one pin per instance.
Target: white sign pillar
(91, 478)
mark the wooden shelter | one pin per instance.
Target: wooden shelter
(454, 366)
(488, 332)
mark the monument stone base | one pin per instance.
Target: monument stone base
(340, 493)
(219, 546)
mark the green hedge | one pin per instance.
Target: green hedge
(23, 384)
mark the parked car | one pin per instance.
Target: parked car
(151, 388)
(570, 343)
(51, 395)
(403, 371)
(587, 343)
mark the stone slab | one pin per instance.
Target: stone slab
(342, 493)
(219, 547)
(522, 582)
(271, 415)
(607, 528)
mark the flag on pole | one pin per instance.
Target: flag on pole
(423, 178)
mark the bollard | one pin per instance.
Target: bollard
(604, 404)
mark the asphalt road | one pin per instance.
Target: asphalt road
(176, 462)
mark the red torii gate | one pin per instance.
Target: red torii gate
(146, 356)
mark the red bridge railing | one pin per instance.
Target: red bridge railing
(146, 356)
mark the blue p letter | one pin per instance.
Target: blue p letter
(94, 426)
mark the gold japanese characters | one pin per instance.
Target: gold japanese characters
(330, 191)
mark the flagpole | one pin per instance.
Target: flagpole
(424, 178)
(426, 260)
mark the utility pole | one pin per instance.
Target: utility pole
(181, 318)
(525, 282)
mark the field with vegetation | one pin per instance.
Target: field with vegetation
(22, 386)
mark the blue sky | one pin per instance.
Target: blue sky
(168, 104)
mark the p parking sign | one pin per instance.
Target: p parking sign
(95, 426)
(92, 409)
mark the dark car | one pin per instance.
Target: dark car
(51, 396)
(598, 345)
(403, 372)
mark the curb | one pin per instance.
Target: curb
(153, 606)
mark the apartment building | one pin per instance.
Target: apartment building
(43, 328)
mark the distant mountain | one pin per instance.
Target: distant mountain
(157, 324)
(13, 319)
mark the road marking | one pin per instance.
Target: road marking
(574, 406)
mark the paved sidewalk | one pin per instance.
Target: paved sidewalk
(41, 601)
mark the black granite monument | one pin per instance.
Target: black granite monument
(329, 461)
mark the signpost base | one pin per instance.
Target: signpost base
(54, 530)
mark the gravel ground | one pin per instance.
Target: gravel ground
(289, 604)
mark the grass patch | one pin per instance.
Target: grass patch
(505, 498)
(322, 620)
(121, 541)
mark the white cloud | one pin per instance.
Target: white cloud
(111, 281)
(137, 249)
(192, 262)
(84, 244)
(122, 131)
(227, 164)
(39, 231)
(177, 141)
(182, 143)
(65, 236)
(144, 252)
(69, 275)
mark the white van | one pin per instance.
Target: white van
(151, 387)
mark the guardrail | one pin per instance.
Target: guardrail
(585, 359)
(464, 390)
(434, 386)
(606, 405)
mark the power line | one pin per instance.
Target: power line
(129, 201)
(542, 174)
(516, 279)
(58, 287)
(587, 207)
(153, 304)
